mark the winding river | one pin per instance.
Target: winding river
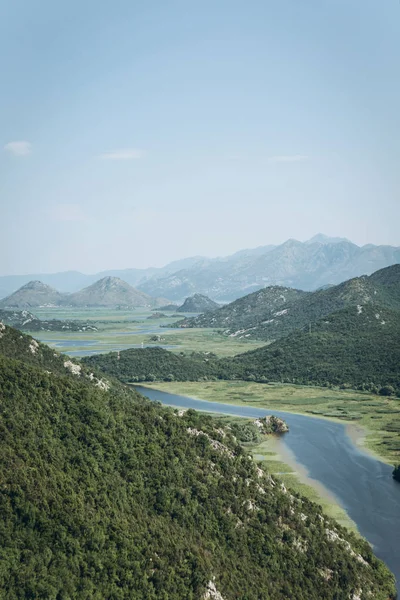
(362, 485)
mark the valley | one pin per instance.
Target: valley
(121, 329)
(240, 376)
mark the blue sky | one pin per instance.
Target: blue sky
(135, 133)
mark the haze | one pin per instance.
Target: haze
(133, 134)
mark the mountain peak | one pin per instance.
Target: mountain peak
(321, 238)
(38, 286)
(110, 291)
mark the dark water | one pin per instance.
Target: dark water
(362, 484)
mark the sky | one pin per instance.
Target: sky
(133, 133)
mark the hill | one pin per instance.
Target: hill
(109, 291)
(153, 364)
(256, 316)
(106, 495)
(358, 347)
(294, 264)
(240, 316)
(32, 294)
(197, 303)
(26, 321)
(17, 345)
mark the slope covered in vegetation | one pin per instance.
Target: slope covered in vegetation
(106, 495)
(358, 347)
(154, 364)
(273, 313)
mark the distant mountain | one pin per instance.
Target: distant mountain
(32, 294)
(320, 238)
(320, 261)
(111, 292)
(73, 281)
(197, 303)
(26, 321)
(358, 346)
(247, 312)
(294, 264)
(275, 312)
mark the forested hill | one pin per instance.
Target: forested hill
(154, 364)
(107, 495)
(263, 316)
(17, 345)
(358, 347)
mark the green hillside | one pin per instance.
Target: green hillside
(358, 347)
(107, 495)
(274, 313)
(153, 364)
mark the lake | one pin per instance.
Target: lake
(362, 485)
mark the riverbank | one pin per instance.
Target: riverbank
(361, 484)
(281, 462)
(373, 422)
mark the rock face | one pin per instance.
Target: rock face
(271, 424)
(198, 303)
(32, 294)
(108, 292)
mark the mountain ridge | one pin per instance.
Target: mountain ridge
(255, 316)
(199, 274)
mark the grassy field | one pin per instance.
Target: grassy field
(378, 416)
(121, 329)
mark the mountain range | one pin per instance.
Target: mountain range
(308, 265)
(107, 292)
(274, 312)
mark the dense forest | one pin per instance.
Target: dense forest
(154, 364)
(107, 495)
(358, 348)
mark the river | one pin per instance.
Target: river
(362, 485)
